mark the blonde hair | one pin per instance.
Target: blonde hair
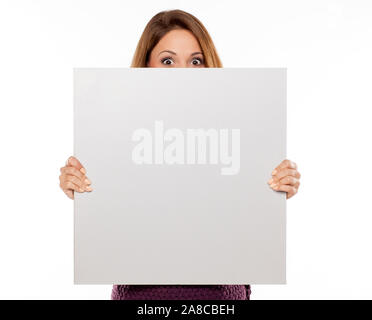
(166, 21)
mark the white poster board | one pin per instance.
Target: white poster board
(179, 161)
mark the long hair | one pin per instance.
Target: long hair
(166, 21)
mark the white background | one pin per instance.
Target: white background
(327, 48)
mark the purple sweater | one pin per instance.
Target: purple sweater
(181, 292)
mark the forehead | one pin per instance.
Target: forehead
(179, 41)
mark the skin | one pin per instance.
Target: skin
(177, 49)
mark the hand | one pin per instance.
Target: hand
(285, 177)
(73, 178)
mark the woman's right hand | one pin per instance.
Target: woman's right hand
(73, 178)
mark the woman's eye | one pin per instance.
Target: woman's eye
(167, 61)
(196, 61)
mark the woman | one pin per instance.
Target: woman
(177, 39)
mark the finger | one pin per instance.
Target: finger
(286, 172)
(290, 180)
(77, 181)
(74, 172)
(69, 193)
(72, 161)
(290, 190)
(69, 185)
(82, 184)
(285, 164)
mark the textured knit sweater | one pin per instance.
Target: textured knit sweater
(181, 292)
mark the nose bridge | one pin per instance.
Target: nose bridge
(183, 61)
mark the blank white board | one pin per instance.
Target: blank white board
(179, 160)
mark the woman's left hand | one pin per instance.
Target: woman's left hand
(285, 177)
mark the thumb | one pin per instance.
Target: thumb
(73, 162)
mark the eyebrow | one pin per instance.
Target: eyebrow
(193, 54)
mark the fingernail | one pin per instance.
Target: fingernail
(273, 185)
(83, 170)
(87, 181)
(81, 190)
(274, 172)
(270, 181)
(88, 188)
